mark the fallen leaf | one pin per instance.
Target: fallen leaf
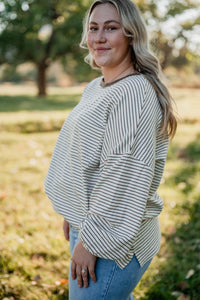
(173, 204)
(5, 276)
(61, 292)
(182, 154)
(2, 196)
(32, 144)
(171, 230)
(33, 162)
(183, 285)
(20, 264)
(38, 153)
(21, 240)
(176, 294)
(13, 170)
(48, 286)
(184, 297)
(62, 281)
(198, 267)
(37, 278)
(189, 274)
(37, 256)
(177, 240)
(182, 185)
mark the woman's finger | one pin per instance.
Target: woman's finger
(79, 276)
(73, 270)
(84, 272)
(92, 273)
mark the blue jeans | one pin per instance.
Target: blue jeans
(112, 283)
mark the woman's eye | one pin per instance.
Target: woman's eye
(110, 28)
(93, 28)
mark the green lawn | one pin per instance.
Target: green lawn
(34, 256)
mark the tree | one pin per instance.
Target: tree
(172, 24)
(40, 32)
(44, 31)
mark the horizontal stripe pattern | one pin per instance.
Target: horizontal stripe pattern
(106, 168)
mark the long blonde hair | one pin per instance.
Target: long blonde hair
(143, 60)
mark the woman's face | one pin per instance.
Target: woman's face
(107, 44)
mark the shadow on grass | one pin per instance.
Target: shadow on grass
(36, 103)
(35, 126)
(184, 256)
(186, 176)
(183, 246)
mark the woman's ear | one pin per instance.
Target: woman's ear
(130, 40)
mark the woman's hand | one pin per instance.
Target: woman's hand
(66, 229)
(83, 262)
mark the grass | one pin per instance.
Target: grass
(34, 256)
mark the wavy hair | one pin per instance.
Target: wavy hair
(144, 61)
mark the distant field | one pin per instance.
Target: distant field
(31, 89)
(34, 257)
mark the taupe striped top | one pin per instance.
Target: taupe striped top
(106, 168)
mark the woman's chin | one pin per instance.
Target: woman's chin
(101, 63)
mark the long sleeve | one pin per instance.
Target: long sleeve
(119, 198)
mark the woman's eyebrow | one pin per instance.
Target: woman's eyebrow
(107, 22)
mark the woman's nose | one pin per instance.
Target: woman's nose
(100, 36)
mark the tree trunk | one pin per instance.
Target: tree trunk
(41, 78)
(167, 50)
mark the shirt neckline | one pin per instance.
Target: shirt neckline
(104, 84)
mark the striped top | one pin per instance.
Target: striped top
(106, 167)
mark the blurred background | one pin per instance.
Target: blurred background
(42, 76)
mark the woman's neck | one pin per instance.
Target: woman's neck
(115, 74)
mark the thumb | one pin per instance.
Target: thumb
(66, 230)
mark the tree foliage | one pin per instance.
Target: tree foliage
(172, 25)
(44, 31)
(40, 32)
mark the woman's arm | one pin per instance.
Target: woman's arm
(81, 260)
(118, 199)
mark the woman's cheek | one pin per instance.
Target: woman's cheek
(89, 41)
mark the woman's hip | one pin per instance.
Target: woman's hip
(113, 283)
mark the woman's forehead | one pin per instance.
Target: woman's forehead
(104, 13)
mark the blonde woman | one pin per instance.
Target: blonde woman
(109, 158)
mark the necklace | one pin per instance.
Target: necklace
(123, 74)
(105, 84)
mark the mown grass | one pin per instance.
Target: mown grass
(34, 256)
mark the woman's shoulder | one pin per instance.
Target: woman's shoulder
(141, 87)
(134, 86)
(137, 91)
(131, 86)
(136, 82)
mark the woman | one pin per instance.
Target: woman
(109, 158)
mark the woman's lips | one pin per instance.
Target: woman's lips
(101, 50)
